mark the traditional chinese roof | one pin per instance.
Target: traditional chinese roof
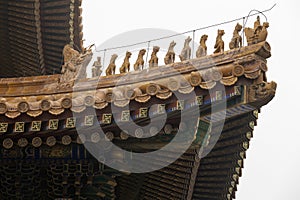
(37, 95)
(42, 153)
(33, 34)
(38, 113)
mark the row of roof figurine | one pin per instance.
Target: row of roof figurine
(257, 34)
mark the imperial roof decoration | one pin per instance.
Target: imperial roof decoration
(44, 152)
(39, 95)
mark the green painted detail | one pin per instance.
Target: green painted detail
(202, 134)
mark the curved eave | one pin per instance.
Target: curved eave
(245, 66)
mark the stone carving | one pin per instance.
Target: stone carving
(74, 66)
(170, 56)
(219, 46)
(256, 24)
(97, 68)
(111, 69)
(263, 32)
(139, 64)
(71, 58)
(262, 91)
(258, 34)
(186, 51)
(153, 62)
(202, 50)
(236, 40)
(126, 64)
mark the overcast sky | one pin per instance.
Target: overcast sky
(273, 161)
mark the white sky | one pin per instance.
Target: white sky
(273, 162)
